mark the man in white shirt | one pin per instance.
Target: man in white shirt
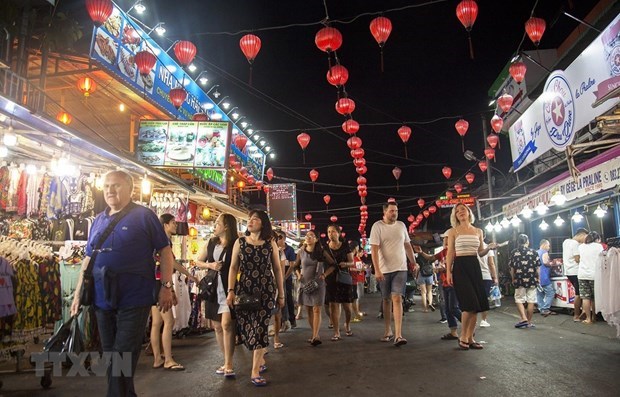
(489, 277)
(570, 259)
(390, 248)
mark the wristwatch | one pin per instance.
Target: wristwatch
(166, 284)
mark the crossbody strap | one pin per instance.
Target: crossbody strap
(106, 233)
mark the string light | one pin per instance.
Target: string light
(577, 217)
(558, 221)
(526, 212)
(599, 211)
(543, 225)
(515, 221)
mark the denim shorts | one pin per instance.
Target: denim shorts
(428, 280)
(393, 284)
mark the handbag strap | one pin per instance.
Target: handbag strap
(106, 233)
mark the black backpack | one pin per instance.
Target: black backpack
(426, 267)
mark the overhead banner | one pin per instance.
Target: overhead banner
(593, 180)
(187, 144)
(571, 100)
(214, 178)
(445, 202)
(282, 202)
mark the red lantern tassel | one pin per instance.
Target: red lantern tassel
(397, 186)
(312, 187)
(303, 155)
(471, 46)
(406, 151)
(250, 81)
(463, 144)
(382, 59)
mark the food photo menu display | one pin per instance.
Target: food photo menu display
(188, 144)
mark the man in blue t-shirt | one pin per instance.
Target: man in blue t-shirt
(546, 292)
(124, 276)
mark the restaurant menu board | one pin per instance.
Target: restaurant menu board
(189, 144)
(282, 202)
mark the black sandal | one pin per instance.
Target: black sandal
(449, 337)
(476, 346)
(463, 345)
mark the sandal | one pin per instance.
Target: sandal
(386, 338)
(449, 337)
(335, 338)
(476, 346)
(175, 367)
(587, 322)
(259, 381)
(348, 333)
(229, 373)
(316, 342)
(221, 370)
(400, 341)
(278, 345)
(521, 324)
(463, 345)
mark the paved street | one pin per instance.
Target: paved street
(557, 358)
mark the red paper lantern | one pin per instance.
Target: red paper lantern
(345, 106)
(489, 153)
(243, 171)
(461, 127)
(517, 71)
(419, 218)
(380, 28)
(240, 141)
(314, 175)
(357, 153)
(185, 51)
(177, 96)
(328, 39)
(145, 61)
(361, 170)
(269, 174)
(505, 102)
(350, 126)
(404, 133)
(303, 140)
(469, 177)
(483, 166)
(250, 46)
(467, 12)
(361, 181)
(323, 235)
(327, 198)
(308, 217)
(493, 140)
(361, 187)
(362, 193)
(200, 117)
(447, 172)
(426, 213)
(535, 28)
(458, 187)
(410, 219)
(354, 142)
(359, 162)
(432, 209)
(259, 185)
(363, 207)
(496, 123)
(343, 234)
(337, 75)
(333, 219)
(64, 117)
(99, 10)
(421, 202)
(449, 195)
(396, 172)
(86, 85)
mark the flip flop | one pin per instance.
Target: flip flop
(386, 338)
(259, 381)
(220, 371)
(400, 341)
(335, 338)
(229, 373)
(278, 345)
(449, 337)
(175, 367)
(315, 342)
(463, 345)
(476, 346)
(521, 324)
(348, 333)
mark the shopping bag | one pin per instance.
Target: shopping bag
(68, 338)
(495, 296)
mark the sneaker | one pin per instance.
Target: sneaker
(443, 321)
(484, 323)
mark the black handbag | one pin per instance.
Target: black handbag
(312, 285)
(342, 276)
(68, 338)
(87, 293)
(247, 302)
(208, 284)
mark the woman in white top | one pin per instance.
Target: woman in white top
(589, 260)
(463, 271)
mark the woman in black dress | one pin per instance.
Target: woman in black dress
(257, 259)
(339, 258)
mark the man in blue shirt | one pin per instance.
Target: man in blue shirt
(124, 275)
(546, 292)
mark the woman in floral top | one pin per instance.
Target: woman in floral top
(524, 268)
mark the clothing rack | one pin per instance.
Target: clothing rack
(613, 242)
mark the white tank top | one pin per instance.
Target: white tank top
(466, 244)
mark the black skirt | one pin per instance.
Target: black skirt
(468, 285)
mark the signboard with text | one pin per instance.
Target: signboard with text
(282, 202)
(571, 100)
(445, 202)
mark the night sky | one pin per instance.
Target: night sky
(429, 82)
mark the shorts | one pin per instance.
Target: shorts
(428, 280)
(525, 295)
(393, 284)
(488, 284)
(575, 282)
(354, 292)
(587, 289)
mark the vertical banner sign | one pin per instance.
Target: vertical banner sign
(282, 202)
